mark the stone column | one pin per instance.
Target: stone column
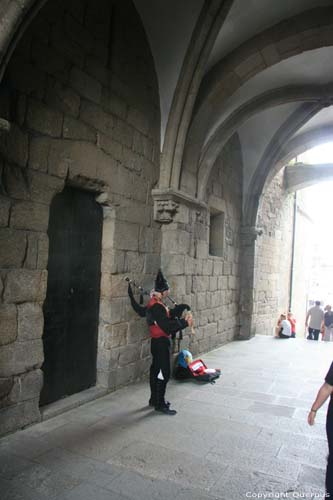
(249, 271)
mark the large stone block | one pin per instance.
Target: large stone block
(129, 354)
(134, 262)
(207, 267)
(124, 375)
(116, 310)
(154, 237)
(28, 385)
(113, 103)
(78, 158)
(39, 153)
(44, 187)
(137, 331)
(94, 116)
(31, 216)
(201, 301)
(218, 267)
(8, 324)
(138, 120)
(113, 261)
(126, 236)
(85, 85)
(28, 355)
(74, 129)
(200, 283)
(152, 263)
(177, 286)
(30, 321)
(202, 249)
(173, 264)
(132, 160)
(18, 416)
(23, 285)
(43, 119)
(15, 181)
(115, 335)
(6, 385)
(20, 357)
(12, 248)
(15, 146)
(4, 211)
(123, 133)
(176, 242)
(62, 98)
(109, 146)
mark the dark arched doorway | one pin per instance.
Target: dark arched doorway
(71, 307)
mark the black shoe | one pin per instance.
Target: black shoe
(152, 403)
(166, 410)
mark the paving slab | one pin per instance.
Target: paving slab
(245, 435)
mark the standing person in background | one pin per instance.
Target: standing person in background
(292, 321)
(328, 324)
(324, 393)
(316, 315)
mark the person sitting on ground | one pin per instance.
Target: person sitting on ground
(328, 324)
(316, 315)
(284, 326)
(292, 321)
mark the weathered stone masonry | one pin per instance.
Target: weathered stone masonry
(273, 259)
(83, 107)
(81, 95)
(209, 284)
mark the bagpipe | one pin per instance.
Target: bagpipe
(179, 310)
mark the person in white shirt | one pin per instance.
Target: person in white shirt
(284, 328)
(316, 315)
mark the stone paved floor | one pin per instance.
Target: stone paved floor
(243, 437)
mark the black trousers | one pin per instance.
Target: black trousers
(160, 369)
(329, 469)
(313, 334)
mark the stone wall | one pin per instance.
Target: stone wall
(273, 256)
(209, 284)
(81, 94)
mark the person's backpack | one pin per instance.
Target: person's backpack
(187, 368)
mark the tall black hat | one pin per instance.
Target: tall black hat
(161, 283)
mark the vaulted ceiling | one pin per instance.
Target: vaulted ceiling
(267, 72)
(259, 68)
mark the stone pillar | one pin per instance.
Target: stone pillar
(202, 281)
(249, 271)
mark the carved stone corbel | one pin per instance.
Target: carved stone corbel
(165, 210)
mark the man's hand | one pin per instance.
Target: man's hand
(189, 319)
(311, 417)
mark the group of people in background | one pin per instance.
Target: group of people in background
(318, 321)
(286, 326)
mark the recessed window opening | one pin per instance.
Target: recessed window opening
(216, 233)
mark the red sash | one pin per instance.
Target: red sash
(155, 331)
